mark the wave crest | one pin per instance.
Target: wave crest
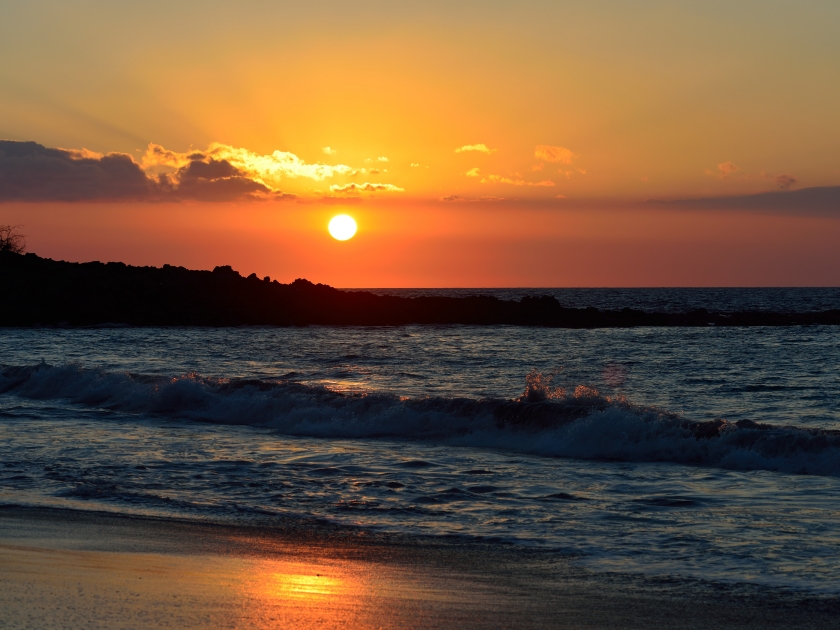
(545, 420)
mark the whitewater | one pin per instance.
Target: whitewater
(707, 454)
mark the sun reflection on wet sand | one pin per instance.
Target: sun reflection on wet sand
(308, 587)
(326, 590)
(309, 593)
(218, 590)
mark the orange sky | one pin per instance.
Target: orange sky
(436, 246)
(476, 144)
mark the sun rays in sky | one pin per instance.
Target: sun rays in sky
(532, 119)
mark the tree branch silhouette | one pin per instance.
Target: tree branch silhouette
(10, 240)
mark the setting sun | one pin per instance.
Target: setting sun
(342, 227)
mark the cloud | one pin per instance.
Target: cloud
(415, 165)
(366, 187)
(382, 158)
(727, 170)
(498, 179)
(568, 174)
(329, 151)
(479, 148)
(217, 180)
(265, 168)
(458, 199)
(785, 181)
(820, 201)
(226, 189)
(211, 169)
(31, 172)
(554, 154)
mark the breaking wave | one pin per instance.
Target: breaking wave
(545, 420)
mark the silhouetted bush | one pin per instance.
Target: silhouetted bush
(11, 241)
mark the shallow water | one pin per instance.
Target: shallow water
(405, 429)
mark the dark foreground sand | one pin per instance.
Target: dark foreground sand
(65, 569)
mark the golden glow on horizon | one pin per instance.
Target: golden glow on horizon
(515, 145)
(479, 245)
(342, 227)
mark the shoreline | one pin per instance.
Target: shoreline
(61, 568)
(45, 292)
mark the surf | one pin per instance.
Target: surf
(546, 420)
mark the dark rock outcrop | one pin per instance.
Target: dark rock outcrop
(40, 291)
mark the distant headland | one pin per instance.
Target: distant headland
(43, 292)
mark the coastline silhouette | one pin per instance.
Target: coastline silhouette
(45, 292)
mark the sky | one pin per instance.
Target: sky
(481, 144)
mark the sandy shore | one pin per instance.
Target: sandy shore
(63, 569)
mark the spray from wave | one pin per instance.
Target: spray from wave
(546, 420)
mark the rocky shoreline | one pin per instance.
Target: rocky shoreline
(43, 292)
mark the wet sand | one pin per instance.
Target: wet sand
(65, 568)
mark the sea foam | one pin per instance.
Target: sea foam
(545, 420)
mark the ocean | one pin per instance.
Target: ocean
(681, 453)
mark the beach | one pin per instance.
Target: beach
(64, 568)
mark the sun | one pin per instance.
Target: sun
(342, 227)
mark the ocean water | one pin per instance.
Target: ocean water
(671, 300)
(590, 443)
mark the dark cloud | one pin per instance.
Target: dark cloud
(366, 187)
(32, 172)
(215, 180)
(823, 201)
(210, 169)
(222, 189)
(785, 181)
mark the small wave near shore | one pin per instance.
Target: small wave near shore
(546, 420)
